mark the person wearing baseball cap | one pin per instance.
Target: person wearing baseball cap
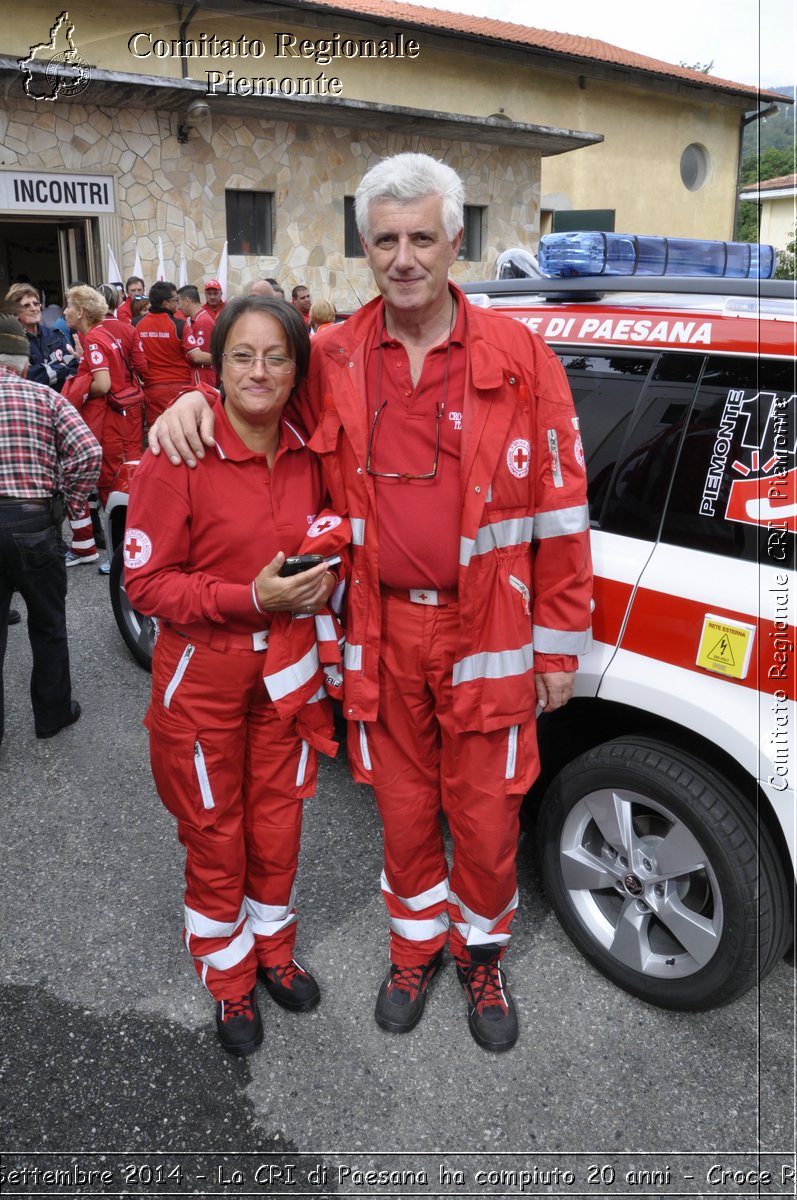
(213, 301)
(44, 447)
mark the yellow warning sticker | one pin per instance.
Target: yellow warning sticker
(725, 646)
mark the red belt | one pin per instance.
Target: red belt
(436, 597)
(222, 639)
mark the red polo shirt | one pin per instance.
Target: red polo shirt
(196, 540)
(196, 336)
(418, 519)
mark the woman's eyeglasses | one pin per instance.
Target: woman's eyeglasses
(244, 360)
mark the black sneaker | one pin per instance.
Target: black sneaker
(291, 986)
(238, 1024)
(402, 996)
(492, 1016)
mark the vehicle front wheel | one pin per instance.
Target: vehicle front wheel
(660, 875)
(138, 632)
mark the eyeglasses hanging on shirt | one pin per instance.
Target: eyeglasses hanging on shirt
(440, 409)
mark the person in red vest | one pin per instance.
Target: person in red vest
(134, 288)
(233, 759)
(214, 302)
(108, 396)
(196, 335)
(302, 302)
(168, 372)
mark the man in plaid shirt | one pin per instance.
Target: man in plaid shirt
(45, 447)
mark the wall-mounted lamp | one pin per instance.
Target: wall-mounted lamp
(197, 112)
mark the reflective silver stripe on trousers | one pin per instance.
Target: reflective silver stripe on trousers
(419, 931)
(500, 534)
(365, 753)
(231, 955)
(353, 657)
(292, 677)
(268, 919)
(494, 664)
(511, 752)
(432, 895)
(476, 929)
(202, 926)
(357, 530)
(302, 768)
(561, 641)
(560, 521)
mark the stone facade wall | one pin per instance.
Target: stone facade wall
(177, 191)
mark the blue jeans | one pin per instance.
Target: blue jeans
(32, 563)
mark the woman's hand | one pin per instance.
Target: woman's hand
(307, 592)
(183, 430)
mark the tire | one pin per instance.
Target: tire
(138, 632)
(659, 874)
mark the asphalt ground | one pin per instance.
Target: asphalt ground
(113, 1082)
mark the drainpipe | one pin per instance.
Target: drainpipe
(184, 30)
(758, 115)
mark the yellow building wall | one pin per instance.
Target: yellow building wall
(635, 171)
(778, 219)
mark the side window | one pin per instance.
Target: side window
(638, 492)
(734, 485)
(606, 390)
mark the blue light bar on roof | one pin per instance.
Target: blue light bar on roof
(596, 253)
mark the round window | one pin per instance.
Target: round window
(695, 165)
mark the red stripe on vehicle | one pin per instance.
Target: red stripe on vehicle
(611, 602)
(668, 629)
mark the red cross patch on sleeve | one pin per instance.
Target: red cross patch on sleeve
(137, 548)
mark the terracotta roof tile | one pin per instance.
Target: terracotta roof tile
(771, 185)
(566, 44)
(783, 181)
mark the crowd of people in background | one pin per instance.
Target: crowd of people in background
(123, 364)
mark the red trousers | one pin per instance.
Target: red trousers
(234, 775)
(158, 397)
(422, 766)
(119, 434)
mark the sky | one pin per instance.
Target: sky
(750, 41)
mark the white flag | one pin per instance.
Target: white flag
(182, 274)
(137, 268)
(221, 274)
(161, 267)
(114, 274)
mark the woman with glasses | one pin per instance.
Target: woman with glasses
(236, 712)
(52, 358)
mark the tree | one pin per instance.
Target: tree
(769, 164)
(787, 259)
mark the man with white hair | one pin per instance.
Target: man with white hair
(44, 447)
(448, 435)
